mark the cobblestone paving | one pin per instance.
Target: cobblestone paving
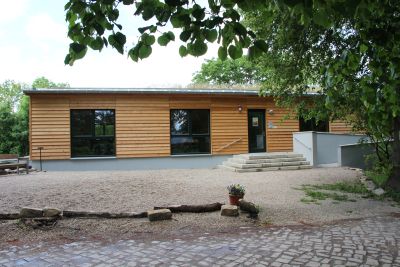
(368, 242)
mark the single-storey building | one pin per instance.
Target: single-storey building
(111, 128)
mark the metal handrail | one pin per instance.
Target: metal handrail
(309, 148)
(229, 144)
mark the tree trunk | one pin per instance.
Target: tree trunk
(394, 179)
(193, 208)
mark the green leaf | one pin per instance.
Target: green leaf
(254, 52)
(170, 35)
(173, 2)
(227, 3)
(78, 51)
(321, 18)
(133, 54)
(185, 35)
(144, 51)
(113, 14)
(68, 60)
(96, 44)
(211, 35)
(235, 52)
(148, 39)
(198, 12)
(120, 37)
(183, 51)
(222, 53)
(262, 45)
(127, 2)
(163, 40)
(198, 48)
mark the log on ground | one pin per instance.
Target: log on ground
(193, 208)
(9, 216)
(106, 215)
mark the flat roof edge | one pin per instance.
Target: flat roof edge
(140, 91)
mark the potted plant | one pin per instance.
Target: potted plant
(236, 192)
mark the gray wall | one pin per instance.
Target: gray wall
(321, 148)
(99, 164)
(328, 143)
(354, 155)
(303, 143)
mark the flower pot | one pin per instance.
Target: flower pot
(234, 199)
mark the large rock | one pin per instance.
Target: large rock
(229, 210)
(30, 213)
(51, 212)
(378, 191)
(248, 206)
(159, 215)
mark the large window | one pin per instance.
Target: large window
(190, 131)
(312, 125)
(92, 132)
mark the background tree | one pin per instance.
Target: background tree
(7, 121)
(11, 93)
(229, 72)
(43, 82)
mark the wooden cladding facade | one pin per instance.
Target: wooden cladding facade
(142, 122)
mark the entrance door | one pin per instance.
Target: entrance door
(256, 125)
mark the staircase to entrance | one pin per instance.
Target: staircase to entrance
(259, 162)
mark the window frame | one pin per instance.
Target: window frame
(93, 133)
(190, 130)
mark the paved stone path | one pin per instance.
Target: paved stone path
(368, 242)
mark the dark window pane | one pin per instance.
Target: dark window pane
(179, 122)
(92, 133)
(81, 122)
(190, 131)
(200, 121)
(311, 125)
(103, 146)
(81, 147)
(104, 122)
(190, 144)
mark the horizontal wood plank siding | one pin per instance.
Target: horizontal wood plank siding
(143, 122)
(142, 126)
(279, 137)
(50, 127)
(228, 126)
(339, 127)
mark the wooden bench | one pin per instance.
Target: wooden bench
(12, 161)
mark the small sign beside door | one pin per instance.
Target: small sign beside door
(254, 121)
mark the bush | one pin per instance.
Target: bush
(379, 172)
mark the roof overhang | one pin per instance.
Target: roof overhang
(186, 91)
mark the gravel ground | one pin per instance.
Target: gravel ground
(274, 192)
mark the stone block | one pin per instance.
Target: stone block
(229, 210)
(51, 212)
(159, 215)
(30, 213)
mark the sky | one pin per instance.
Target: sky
(34, 43)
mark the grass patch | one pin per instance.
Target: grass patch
(314, 193)
(379, 178)
(345, 187)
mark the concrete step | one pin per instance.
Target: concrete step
(271, 155)
(282, 168)
(260, 161)
(264, 165)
